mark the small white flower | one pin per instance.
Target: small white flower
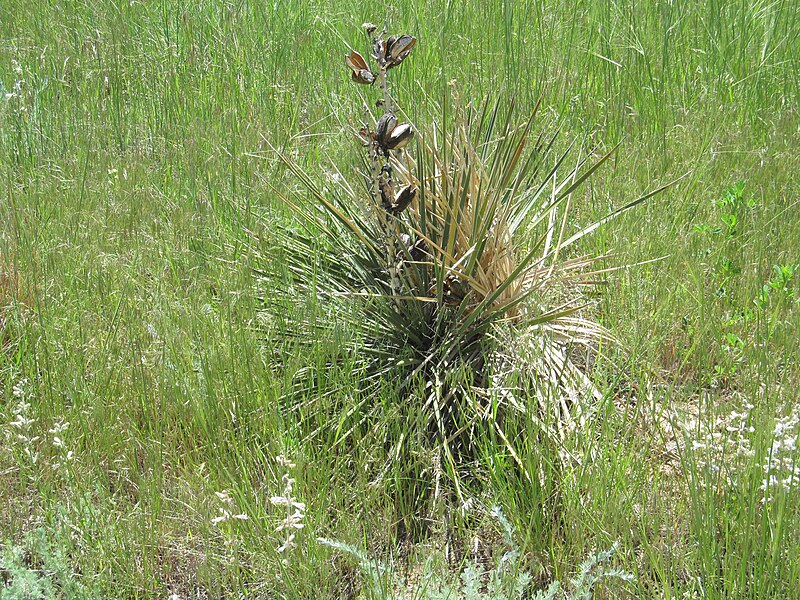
(224, 496)
(224, 516)
(59, 427)
(18, 390)
(288, 544)
(284, 462)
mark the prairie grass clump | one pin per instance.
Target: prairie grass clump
(456, 255)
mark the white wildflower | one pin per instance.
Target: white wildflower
(18, 390)
(295, 509)
(224, 513)
(284, 462)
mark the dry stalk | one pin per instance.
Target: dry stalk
(387, 137)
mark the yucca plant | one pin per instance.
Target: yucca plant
(456, 260)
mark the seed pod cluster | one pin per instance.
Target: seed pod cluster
(387, 52)
(393, 50)
(389, 134)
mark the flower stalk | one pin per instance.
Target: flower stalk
(389, 136)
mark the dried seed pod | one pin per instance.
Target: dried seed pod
(379, 49)
(397, 48)
(399, 137)
(369, 27)
(359, 68)
(403, 199)
(363, 76)
(386, 187)
(356, 62)
(384, 128)
(418, 249)
(365, 135)
(453, 291)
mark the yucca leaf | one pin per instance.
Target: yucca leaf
(618, 211)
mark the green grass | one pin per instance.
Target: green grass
(135, 200)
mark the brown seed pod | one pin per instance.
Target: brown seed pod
(387, 193)
(365, 135)
(379, 49)
(398, 47)
(403, 199)
(418, 249)
(359, 68)
(453, 291)
(384, 128)
(356, 62)
(399, 137)
(363, 76)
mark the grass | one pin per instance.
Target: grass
(136, 193)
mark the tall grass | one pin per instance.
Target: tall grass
(132, 173)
